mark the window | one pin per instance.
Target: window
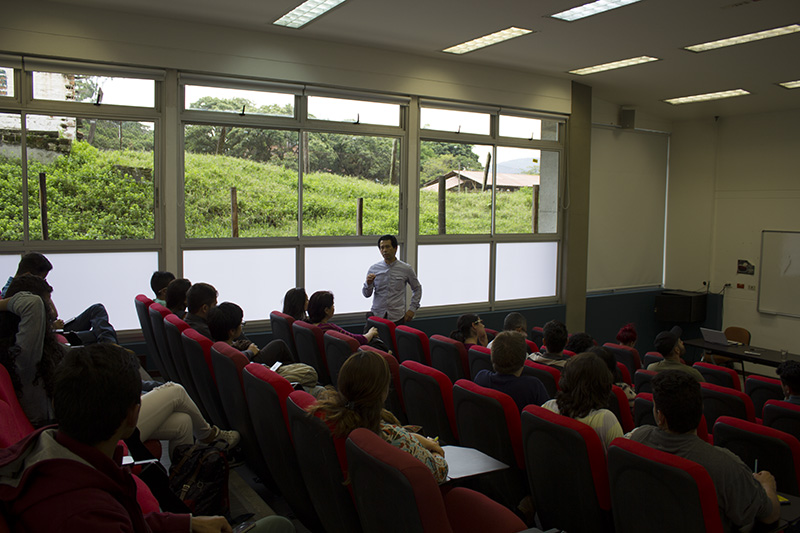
(526, 198)
(6, 81)
(351, 185)
(113, 279)
(526, 270)
(355, 111)
(465, 278)
(255, 279)
(249, 102)
(75, 87)
(90, 179)
(260, 164)
(452, 196)
(10, 177)
(529, 128)
(454, 121)
(341, 270)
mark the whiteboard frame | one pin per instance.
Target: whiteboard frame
(761, 272)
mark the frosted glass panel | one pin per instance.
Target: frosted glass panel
(526, 270)
(256, 280)
(113, 279)
(8, 266)
(454, 273)
(341, 271)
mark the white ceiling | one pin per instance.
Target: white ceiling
(657, 28)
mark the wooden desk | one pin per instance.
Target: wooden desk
(746, 352)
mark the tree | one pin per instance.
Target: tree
(439, 158)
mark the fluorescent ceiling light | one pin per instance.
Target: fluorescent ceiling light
(592, 8)
(614, 64)
(487, 40)
(791, 84)
(706, 97)
(306, 12)
(741, 39)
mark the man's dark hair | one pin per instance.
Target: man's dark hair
(36, 285)
(388, 238)
(160, 279)
(578, 342)
(555, 336)
(222, 319)
(677, 395)
(513, 321)
(200, 294)
(317, 304)
(176, 294)
(95, 386)
(789, 372)
(509, 351)
(34, 263)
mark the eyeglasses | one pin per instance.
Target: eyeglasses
(479, 321)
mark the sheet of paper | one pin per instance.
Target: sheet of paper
(466, 462)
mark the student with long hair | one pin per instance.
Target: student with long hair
(627, 336)
(321, 310)
(295, 303)
(584, 388)
(470, 331)
(358, 403)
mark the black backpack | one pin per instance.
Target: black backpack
(199, 477)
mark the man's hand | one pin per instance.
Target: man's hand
(371, 334)
(408, 316)
(210, 524)
(766, 479)
(370, 278)
(253, 348)
(58, 323)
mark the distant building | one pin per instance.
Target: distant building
(469, 180)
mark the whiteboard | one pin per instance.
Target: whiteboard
(779, 278)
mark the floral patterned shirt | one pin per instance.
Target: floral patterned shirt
(400, 437)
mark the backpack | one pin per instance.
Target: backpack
(199, 477)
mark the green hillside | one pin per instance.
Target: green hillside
(108, 194)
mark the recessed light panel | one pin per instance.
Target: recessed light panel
(741, 39)
(706, 97)
(791, 84)
(592, 8)
(614, 64)
(306, 12)
(487, 40)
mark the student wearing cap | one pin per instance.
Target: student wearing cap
(670, 345)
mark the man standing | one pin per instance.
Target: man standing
(388, 279)
(742, 495)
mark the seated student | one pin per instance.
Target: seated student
(626, 336)
(69, 479)
(28, 347)
(508, 360)
(225, 323)
(670, 345)
(470, 331)
(579, 342)
(584, 388)
(742, 496)
(176, 296)
(789, 372)
(90, 326)
(321, 310)
(363, 385)
(295, 303)
(158, 282)
(514, 322)
(200, 299)
(554, 338)
(608, 358)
